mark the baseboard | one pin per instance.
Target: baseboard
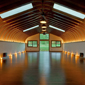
(55, 51)
(32, 51)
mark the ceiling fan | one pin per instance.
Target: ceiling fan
(43, 15)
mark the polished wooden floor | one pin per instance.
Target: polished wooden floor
(42, 68)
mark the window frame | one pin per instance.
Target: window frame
(32, 43)
(56, 46)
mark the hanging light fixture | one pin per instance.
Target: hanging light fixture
(43, 22)
(43, 26)
(43, 29)
(44, 33)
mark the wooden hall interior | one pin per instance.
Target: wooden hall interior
(42, 42)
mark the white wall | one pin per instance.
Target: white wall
(11, 47)
(76, 47)
(53, 37)
(36, 37)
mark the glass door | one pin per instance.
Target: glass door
(44, 45)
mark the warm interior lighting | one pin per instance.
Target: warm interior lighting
(43, 22)
(1, 58)
(10, 55)
(30, 28)
(19, 53)
(77, 55)
(69, 11)
(44, 27)
(1, 62)
(15, 54)
(43, 30)
(68, 53)
(16, 10)
(23, 51)
(72, 54)
(65, 52)
(56, 28)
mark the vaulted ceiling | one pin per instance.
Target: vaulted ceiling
(11, 28)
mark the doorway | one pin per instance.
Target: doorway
(44, 45)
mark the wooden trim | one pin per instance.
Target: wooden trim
(44, 40)
(32, 44)
(56, 40)
(49, 41)
(32, 51)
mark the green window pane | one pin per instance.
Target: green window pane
(53, 43)
(58, 44)
(30, 43)
(46, 36)
(34, 43)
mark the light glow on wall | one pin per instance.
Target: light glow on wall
(10, 55)
(65, 52)
(19, 53)
(1, 62)
(69, 11)
(1, 58)
(68, 53)
(12, 41)
(72, 54)
(77, 55)
(16, 54)
(16, 10)
(23, 51)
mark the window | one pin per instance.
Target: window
(17, 10)
(31, 28)
(56, 43)
(44, 37)
(32, 43)
(68, 11)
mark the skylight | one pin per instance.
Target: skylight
(56, 28)
(31, 28)
(16, 10)
(69, 11)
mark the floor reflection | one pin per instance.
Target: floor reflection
(44, 63)
(42, 68)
